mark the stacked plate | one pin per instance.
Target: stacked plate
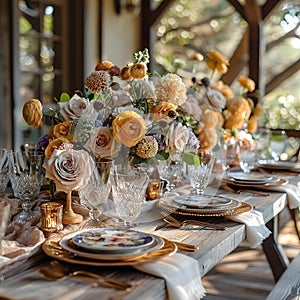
(252, 179)
(203, 205)
(280, 165)
(110, 244)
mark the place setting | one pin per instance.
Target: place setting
(108, 247)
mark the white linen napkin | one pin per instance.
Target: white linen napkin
(292, 191)
(256, 230)
(181, 273)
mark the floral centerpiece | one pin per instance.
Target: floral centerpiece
(124, 114)
(223, 113)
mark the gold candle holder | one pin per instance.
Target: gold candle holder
(52, 213)
(154, 189)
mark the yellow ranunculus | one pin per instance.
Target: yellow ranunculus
(33, 113)
(128, 128)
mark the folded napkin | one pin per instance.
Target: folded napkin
(292, 191)
(256, 230)
(181, 273)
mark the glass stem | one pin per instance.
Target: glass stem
(94, 214)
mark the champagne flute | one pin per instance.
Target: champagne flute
(26, 174)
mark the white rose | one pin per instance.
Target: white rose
(69, 169)
(177, 138)
(77, 107)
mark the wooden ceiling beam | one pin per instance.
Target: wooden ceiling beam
(269, 7)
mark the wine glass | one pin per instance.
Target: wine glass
(199, 174)
(129, 190)
(170, 170)
(26, 174)
(96, 192)
(4, 158)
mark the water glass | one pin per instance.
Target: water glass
(4, 157)
(247, 158)
(277, 145)
(199, 174)
(129, 190)
(4, 219)
(26, 174)
(170, 170)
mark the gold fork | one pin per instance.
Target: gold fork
(176, 223)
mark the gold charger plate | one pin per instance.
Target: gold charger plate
(244, 207)
(52, 248)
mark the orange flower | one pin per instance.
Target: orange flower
(208, 138)
(104, 66)
(162, 110)
(125, 74)
(128, 128)
(247, 83)
(61, 130)
(217, 62)
(33, 113)
(138, 71)
(55, 144)
(252, 124)
(223, 88)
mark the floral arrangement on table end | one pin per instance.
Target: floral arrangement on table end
(237, 116)
(125, 114)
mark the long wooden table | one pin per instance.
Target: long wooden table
(24, 282)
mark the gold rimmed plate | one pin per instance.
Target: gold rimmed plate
(240, 207)
(52, 248)
(67, 244)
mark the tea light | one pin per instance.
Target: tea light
(154, 189)
(51, 217)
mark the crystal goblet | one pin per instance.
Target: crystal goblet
(4, 158)
(96, 192)
(199, 174)
(26, 174)
(170, 170)
(129, 190)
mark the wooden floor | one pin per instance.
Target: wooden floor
(245, 274)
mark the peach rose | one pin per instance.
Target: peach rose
(76, 107)
(128, 128)
(69, 169)
(102, 143)
(33, 113)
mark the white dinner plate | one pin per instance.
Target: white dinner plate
(172, 204)
(203, 201)
(66, 243)
(252, 177)
(117, 240)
